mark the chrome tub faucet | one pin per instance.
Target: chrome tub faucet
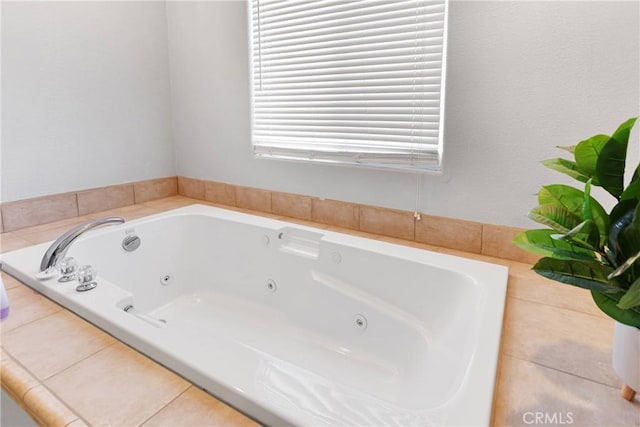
(59, 248)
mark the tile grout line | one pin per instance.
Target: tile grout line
(560, 308)
(62, 309)
(77, 205)
(64, 403)
(60, 401)
(17, 362)
(116, 341)
(39, 318)
(40, 383)
(561, 371)
(191, 385)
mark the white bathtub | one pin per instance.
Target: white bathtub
(292, 324)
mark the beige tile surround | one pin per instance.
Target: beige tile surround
(555, 353)
(56, 207)
(451, 233)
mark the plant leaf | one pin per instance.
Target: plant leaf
(540, 242)
(621, 216)
(610, 167)
(632, 191)
(621, 209)
(636, 174)
(624, 266)
(612, 159)
(585, 234)
(629, 240)
(555, 217)
(608, 303)
(636, 217)
(590, 275)
(569, 148)
(586, 203)
(624, 130)
(562, 195)
(631, 298)
(587, 153)
(574, 201)
(566, 167)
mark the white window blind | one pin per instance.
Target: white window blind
(349, 82)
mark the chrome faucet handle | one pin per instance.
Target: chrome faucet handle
(67, 268)
(86, 278)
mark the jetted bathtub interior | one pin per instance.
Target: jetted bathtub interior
(293, 324)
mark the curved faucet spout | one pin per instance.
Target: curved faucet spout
(59, 248)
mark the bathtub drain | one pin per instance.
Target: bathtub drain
(131, 243)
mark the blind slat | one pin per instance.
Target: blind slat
(310, 118)
(344, 143)
(391, 82)
(332, 123)
(350, 77)
(351, 70)
(349, 82)
(378, 64)
(428, 37)
(378, 52)
(323, 131)
(279, 30)
(376, 136)
(376, 60)
(408, 111)
(400, 89)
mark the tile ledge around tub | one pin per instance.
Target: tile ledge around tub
(493, 241)
(34, 398)
(489, 240)
(41, 210)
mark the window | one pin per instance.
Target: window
(349, 82)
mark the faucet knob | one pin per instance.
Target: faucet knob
(86, 278)
(86, 274)
(67, 268)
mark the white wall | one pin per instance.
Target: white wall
(85, 96)
(87, 101)
(523, 77)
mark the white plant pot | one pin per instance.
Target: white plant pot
(626, 358)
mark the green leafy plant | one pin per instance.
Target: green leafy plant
(584, 245)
